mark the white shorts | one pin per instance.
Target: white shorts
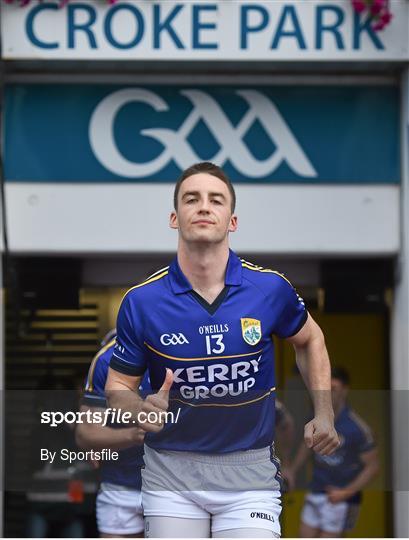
(321, 514)
(237, 490)
(119, 510)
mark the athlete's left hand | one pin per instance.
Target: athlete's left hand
(337, 495)
(320, 435)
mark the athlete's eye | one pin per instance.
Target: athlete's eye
(217, 201)
(191, 200)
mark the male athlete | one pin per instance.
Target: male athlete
(331, 508)
(119, 505)
(203, 328)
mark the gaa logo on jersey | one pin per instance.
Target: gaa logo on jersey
(251, 330)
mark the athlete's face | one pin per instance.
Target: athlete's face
(339, 392)
(204, 210)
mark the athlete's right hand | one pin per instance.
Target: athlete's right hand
(158, 405)
(320, 435)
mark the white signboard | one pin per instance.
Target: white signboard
(279, 30)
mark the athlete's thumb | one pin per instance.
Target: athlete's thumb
(167, 384)
(309, 434)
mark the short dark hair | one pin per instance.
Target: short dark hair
(208, 168)
(341, 374)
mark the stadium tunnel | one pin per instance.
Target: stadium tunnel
(59, 308)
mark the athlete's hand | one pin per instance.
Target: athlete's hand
(337, 495)
(158, 404)
(137, 435)
(320, 435)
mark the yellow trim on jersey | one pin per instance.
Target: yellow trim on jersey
(264, 271)
(199, 358)
(150, 279)
(251, 264)
(89, 387)
(226, 405)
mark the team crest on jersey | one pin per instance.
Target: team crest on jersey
(251, 330)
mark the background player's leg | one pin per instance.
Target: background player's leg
(106, 535)
(245, 533)
(324, 534)
(170, 527)
(306, 531)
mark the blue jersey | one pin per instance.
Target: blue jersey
(340, 468)
(221, 354)
(126, 471)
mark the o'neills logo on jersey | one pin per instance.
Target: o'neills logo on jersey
(251, 330)
(213, 329)
(218, 380)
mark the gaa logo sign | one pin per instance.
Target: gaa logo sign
(173, 339)
(229, 136)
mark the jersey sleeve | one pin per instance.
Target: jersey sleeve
(279, 418)
(365, 440)
(291, 313)
(128, 356)
(94, 394)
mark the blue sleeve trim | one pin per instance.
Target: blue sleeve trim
(93, 400)
(126, 369)
(367, 447)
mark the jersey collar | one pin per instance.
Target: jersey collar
(180, 284)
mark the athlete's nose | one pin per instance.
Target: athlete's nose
(204, 205)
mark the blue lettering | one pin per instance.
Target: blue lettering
(73, 26)
(159, 27)
(198, 26)
(245, 26)
(30, 23)
(140, 26)
(296, 32)
(365, 26)
(333, 28)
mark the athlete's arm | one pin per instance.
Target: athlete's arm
(122, 393)
(290, 473)
(95, 436)
(285, 437)
(285, 433)
(370, 461)
(313, 363)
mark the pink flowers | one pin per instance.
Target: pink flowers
(378, 11)
(359, 5)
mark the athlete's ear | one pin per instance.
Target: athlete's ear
(173, 220)
(233, 223)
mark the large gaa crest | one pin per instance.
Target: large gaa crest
(251, 330)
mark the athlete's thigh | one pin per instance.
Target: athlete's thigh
(171, 527)
(334, 518)
(245, 533)
(119, 512)
(339, 519)
(307, 531)
(106, 535)
(324, 534)
(248, 510)
(311, 515)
